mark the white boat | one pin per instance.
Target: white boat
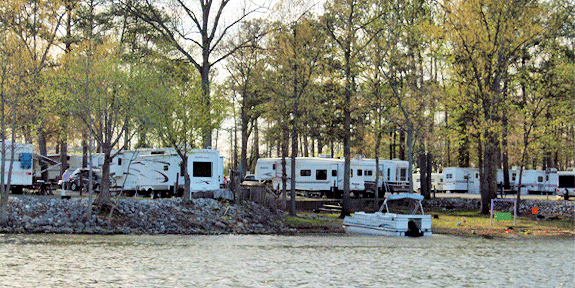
(391, 224)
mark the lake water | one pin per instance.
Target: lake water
(283, 261)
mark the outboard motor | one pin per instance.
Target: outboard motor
(412, 230)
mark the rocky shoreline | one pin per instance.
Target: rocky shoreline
(141, 216)
(547, 208)
(201, 216)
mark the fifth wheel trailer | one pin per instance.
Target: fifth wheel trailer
(158, 171)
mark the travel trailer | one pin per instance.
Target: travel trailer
(314, 175)
(325, 175)
(392, 175)
(461, 180)
(436, 182)
(22, 167)
(532, 181)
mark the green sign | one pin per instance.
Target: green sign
(502, 216)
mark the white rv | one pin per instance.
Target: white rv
(158, 171)
(436, 182)
(532, 181)
(463, 180)
(206, 170)
(147, 171)
(267, 168)
(22, 167)
(317, 175)
(393, 175)
(566, 186)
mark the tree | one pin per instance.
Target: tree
(295, 51)
(103, 101)
(36, 24)
(246, 67)
(344, 21)
(12, 73)
(175, 109)
(485, 37)
(203, 25)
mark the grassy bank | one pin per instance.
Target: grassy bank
(458, 223)
(471, 223)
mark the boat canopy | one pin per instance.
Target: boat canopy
(404, 196)
(412, 196)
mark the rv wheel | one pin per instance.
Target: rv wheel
(74, 186)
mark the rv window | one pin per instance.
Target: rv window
(334, 173)
(513, 177)
(567, 181)
(305, 172)
(350, 172)
(448, 176)
(546, 177)
(165, 167)
(403, 174)
(321, 175)
(274, 167)
(476, 175)
(388, 174)
(359, 172)
(202, 169)
(120, 161)
(540, 179)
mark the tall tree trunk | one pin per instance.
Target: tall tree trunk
(346, 207)
(63, 153)
(505, 156)
(244, 147)
(401, 145)
(256, 155)
(448, 140)
(43, 151)
(205, 73)
(284, 153)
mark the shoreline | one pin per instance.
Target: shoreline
(204, 216)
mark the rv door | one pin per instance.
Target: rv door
(334, 176)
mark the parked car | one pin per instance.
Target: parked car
(80, 178)
(251, 179)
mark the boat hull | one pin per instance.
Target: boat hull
(388, 224)
(359, 230)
